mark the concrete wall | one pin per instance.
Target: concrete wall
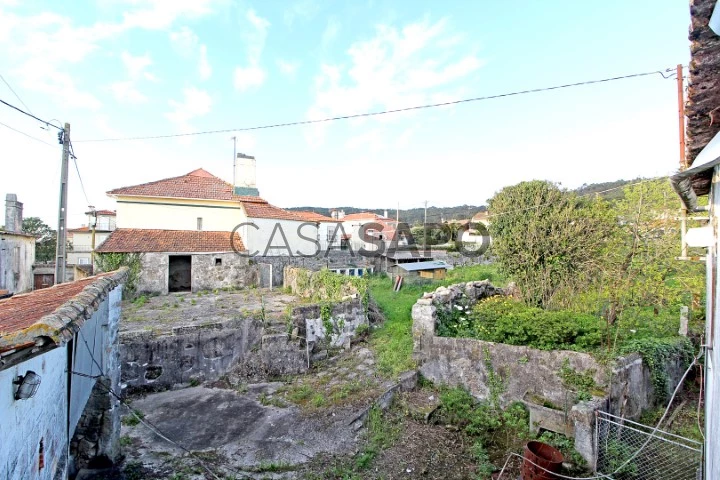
(345, 317)
(200, 352)
(234, 271)
(17, 255)
(178, 214)
(24, 423)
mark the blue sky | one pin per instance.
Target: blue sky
(119, 68)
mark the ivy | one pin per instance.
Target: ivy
(583, 384)
(108, 262)
(326, 317)
(656, 353)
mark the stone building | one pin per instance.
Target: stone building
(58, 358)
(207, 212)
(17, 250)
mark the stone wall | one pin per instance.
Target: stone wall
(331, 259)
(232, 271)
(192, 353)
(345, 318)
(530, 375)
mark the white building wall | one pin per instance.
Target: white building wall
(712, 339)
(164, 215)
(24, 423)
(325, 231)
(82, 247)
(268, 233)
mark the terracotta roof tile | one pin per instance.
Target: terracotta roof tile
(265, 210)
(106, 213)
(21, 316)
(314, 217)
(196, 184)
(363, 216)
(134, 240)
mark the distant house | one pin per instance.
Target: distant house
(58, 358)
(17, 251)
(82, 240)
(328, 232)
(375, 228)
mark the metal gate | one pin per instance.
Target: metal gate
(642, 454)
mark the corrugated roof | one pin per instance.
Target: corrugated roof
(134, 240)
(55, 312)
(416, 266)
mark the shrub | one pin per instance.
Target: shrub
(503, 320)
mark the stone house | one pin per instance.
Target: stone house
(701, 178)
(189, 221)
(17, 250)
(81, 238)
(59, 359)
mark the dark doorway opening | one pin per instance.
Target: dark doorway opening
(180, 273)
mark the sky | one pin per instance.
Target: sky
(129, 68)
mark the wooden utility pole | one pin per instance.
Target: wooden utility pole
(425, 228)
(61, 251)
(683, 160)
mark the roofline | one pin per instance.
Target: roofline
(116, 195)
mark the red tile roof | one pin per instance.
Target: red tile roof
(314, 217)
(135, 240)
(363, 216)
(196, 184)
(265, 210)
(22, 317)
(106, 213)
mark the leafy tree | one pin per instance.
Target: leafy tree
(549, 240)
(45, 238)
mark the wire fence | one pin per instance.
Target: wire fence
(661, 456)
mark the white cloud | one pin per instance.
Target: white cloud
(331, 32)
(306, 9)
(203, 64)
(195, 103)
(126, 92)
(395, 69)
(188, 44)
(248, 77)
(287, 68)
(253, 75)
(161, 14)
(135, 65)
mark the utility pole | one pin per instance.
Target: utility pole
(92, 212)
(61, 252)
(425, 228)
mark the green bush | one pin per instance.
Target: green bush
(503, 320)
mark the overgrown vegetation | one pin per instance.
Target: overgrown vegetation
(108, 262)
(392, 341)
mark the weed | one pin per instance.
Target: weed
(194, 382)
(318, 400)
(125, 441)
(140, 301)
(133, 418)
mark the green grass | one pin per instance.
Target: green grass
(393, 340)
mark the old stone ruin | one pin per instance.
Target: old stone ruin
(532, 376)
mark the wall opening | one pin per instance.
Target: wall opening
(218, 262)
(180, 273)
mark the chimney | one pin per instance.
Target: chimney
(13, 213)
(245, 176)
(385, 213)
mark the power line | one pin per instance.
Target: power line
(15, 93)
(385, 112)
(27, 135)
(46, 123)
(77, 169)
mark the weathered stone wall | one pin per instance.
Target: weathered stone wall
(234, 271)
(306, 284)
(345, 318)
(529, 374)
(331, 259)
(199, 353)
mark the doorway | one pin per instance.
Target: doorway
(180, 273)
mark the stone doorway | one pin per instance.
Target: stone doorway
(180, 273)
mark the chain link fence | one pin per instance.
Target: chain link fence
(665, 456)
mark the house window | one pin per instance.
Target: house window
(83, 261)
(199, 223)
(218, 262)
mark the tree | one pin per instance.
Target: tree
(45, 238)
(548, 240)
